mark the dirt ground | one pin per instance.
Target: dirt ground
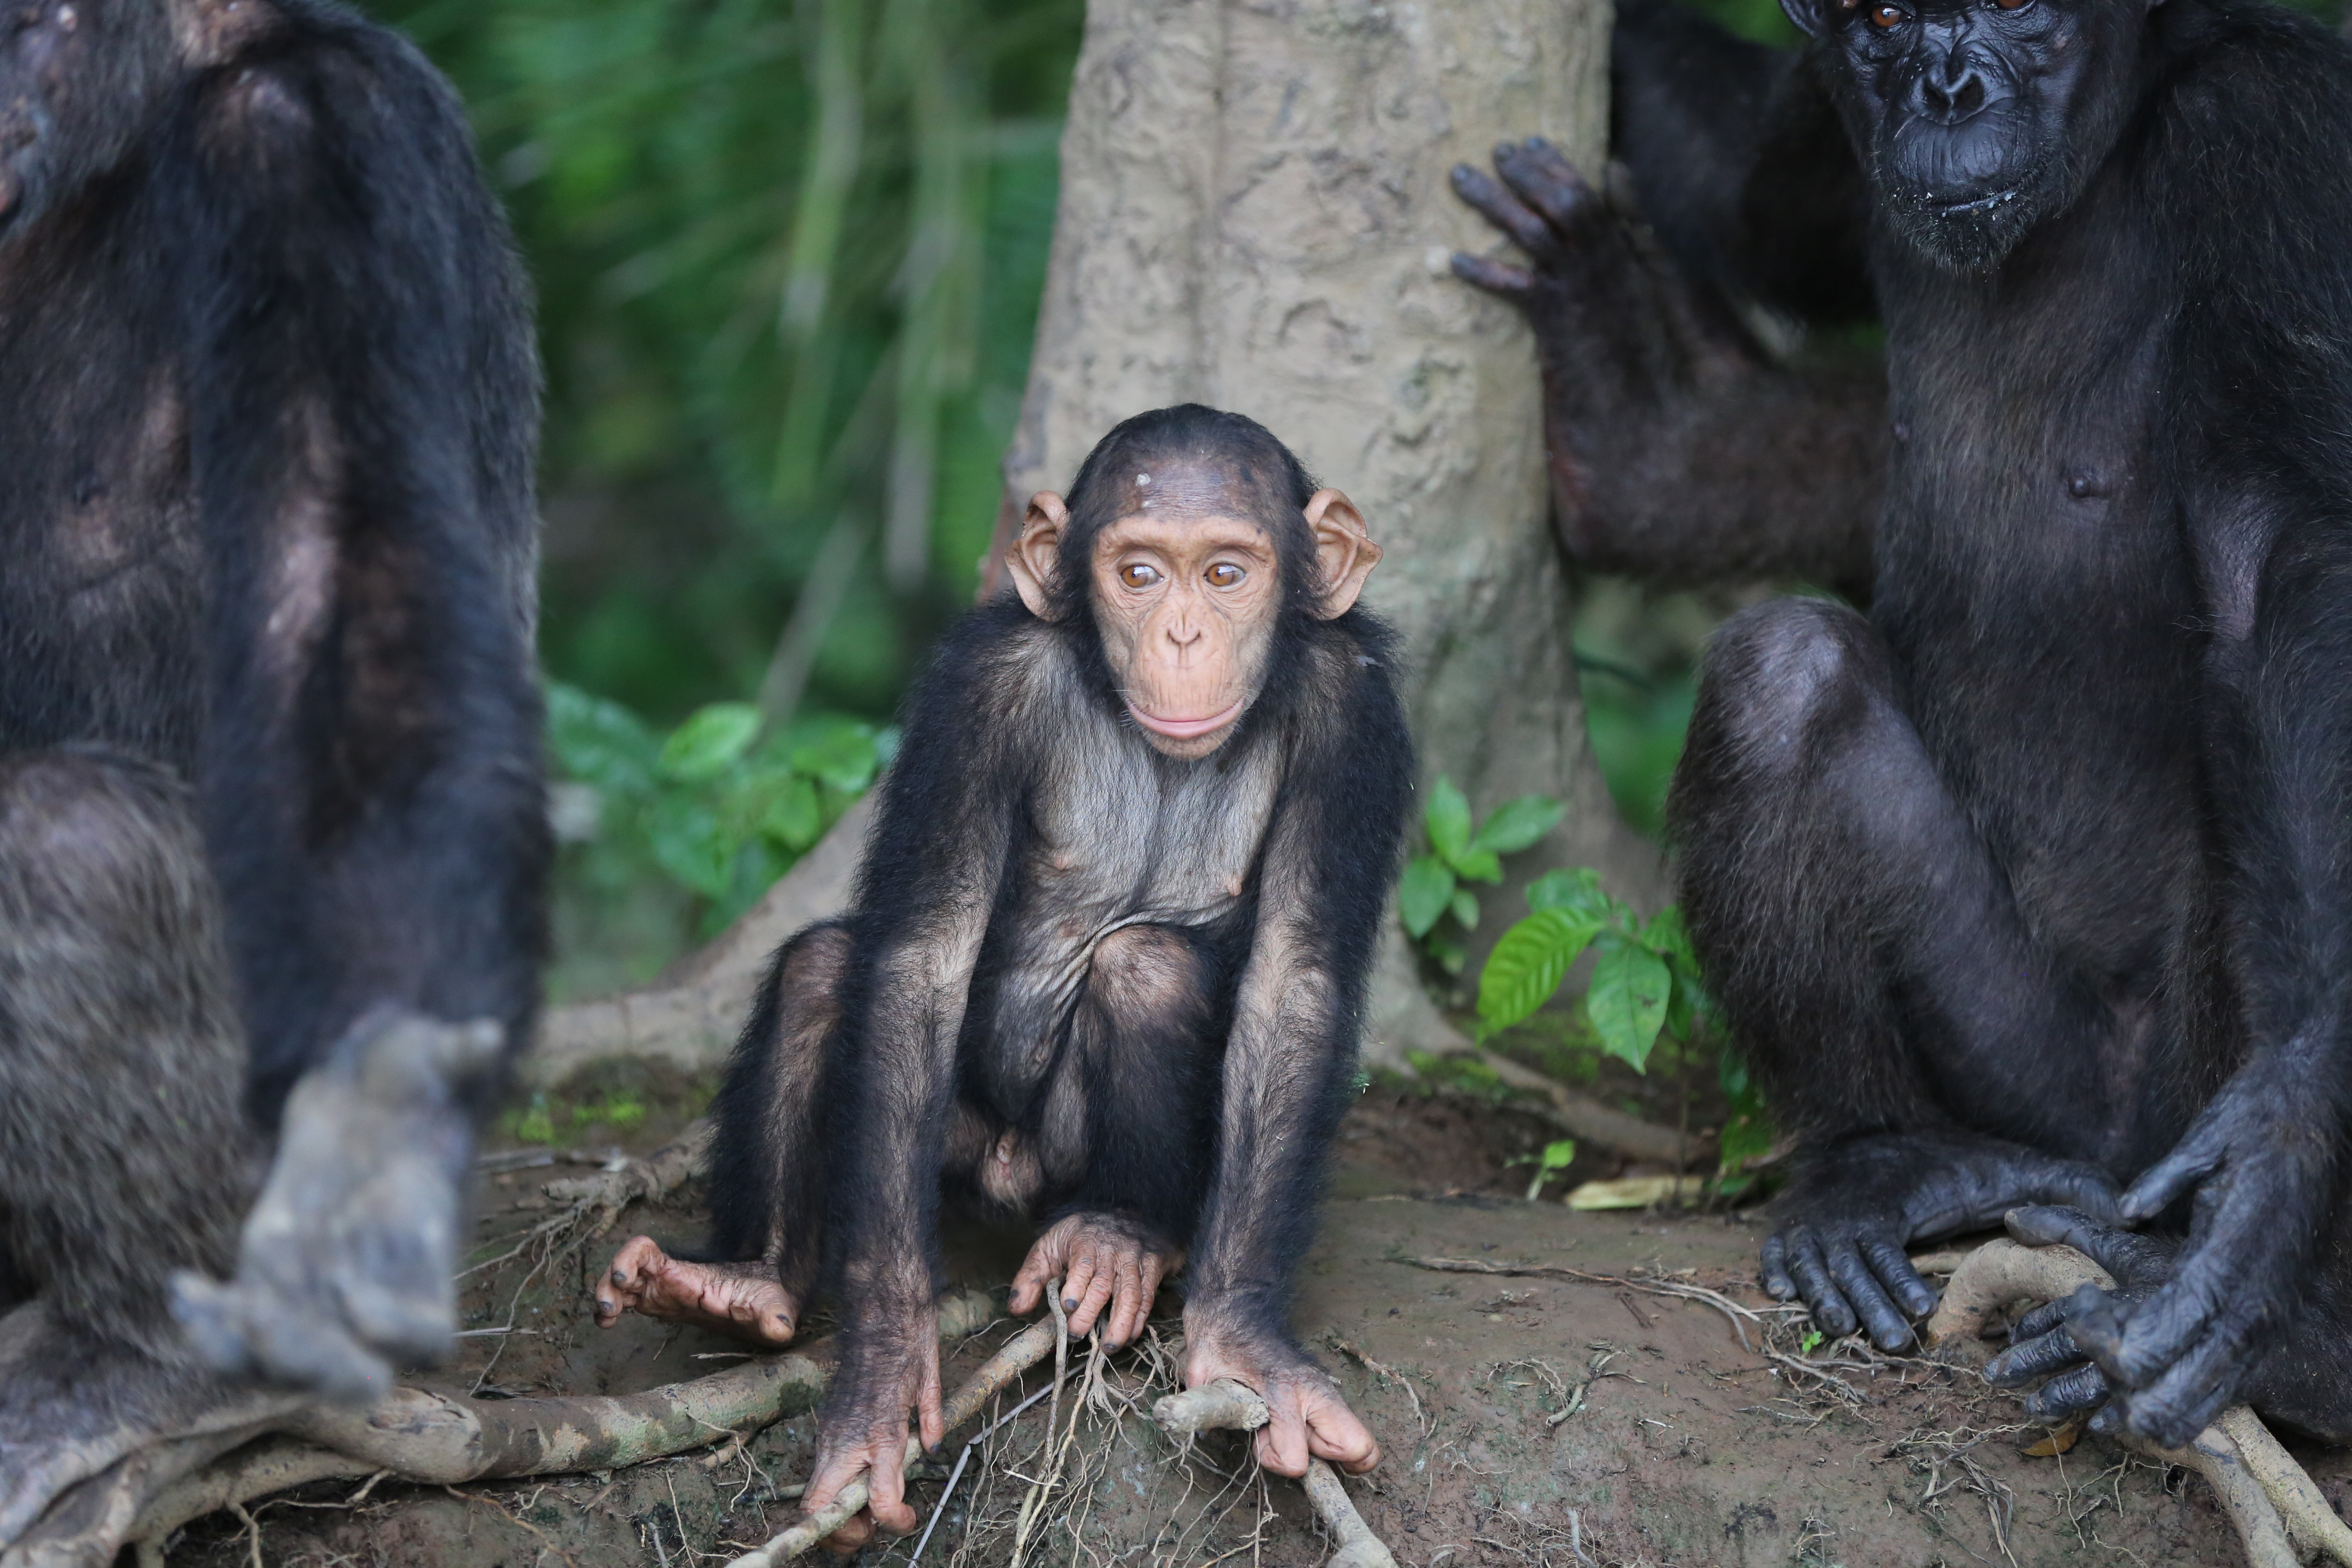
(1599, 1414)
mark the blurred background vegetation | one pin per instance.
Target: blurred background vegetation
(789, 255)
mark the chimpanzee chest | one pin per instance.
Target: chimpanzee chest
(101, 567)
(2036, 587)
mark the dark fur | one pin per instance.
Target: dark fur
(267, 415)
(1012, 717)
(2003, 883)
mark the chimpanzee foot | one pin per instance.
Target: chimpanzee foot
(345, 1266)
(739, 1298)
(72, 1406)
(1103, 1260)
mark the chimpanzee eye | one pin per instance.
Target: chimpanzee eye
(2012, 4)
(1138, 575)
(1224, 575)
(1889, 15)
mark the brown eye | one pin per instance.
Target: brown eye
(1224, 575)
(1138, 575)
(1889, 15)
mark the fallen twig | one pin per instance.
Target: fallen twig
(1228, 1406)
(1673, 1288)
(1583, 1117)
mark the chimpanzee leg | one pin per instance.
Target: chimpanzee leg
(1128, 1126)
(124, 1150)
(766, 1177)
(1874, 966)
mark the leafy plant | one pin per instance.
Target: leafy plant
(1645, 978)
(1748, 1132)
(719, 809)
(1461, 851)
(1555, 1158)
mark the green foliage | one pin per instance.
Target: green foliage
(1462, 851)
(1645, 977)
(1555, 1158)
(544, 1120)
(718, 809)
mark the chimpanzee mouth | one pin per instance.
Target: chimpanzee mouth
(1186, 729)
(1975, 206)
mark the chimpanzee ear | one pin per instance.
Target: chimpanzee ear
(1034, 556)
(1806, 14)
(1344, 552)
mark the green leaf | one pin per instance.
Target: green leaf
(1446, 948)
(1465, 909)
(791, 818)
(710, 742)
(599, 743)
(1558, 1156)
(845, 760)
(1528, 965)
(1448, 816)
(1666, 936)
(1517, 825)
(1478, 866)
(1579, 890)
(1628, 1000)
(689, 843)
(1421, 896)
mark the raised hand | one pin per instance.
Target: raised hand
(1106, 1263)
(1843, 1226)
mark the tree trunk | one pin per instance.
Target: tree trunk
(1254, 214)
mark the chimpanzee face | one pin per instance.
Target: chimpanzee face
(78, 81)
(1977, 119)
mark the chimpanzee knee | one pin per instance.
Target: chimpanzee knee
(124, 1150)
(1783, 674)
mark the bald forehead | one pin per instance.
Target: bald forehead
(1187, 487)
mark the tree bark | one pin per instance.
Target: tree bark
(1254, 214)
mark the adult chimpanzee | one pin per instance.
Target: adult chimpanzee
(1107, 958)
(2044, 868)
(271, 828)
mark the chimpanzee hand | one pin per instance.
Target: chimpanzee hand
(1571, 232)
(2262, 1163)
(1306, 1414)
(1103, 1260)
(2041, 1345)
(1843, 1223)
(892, 1367)
(346, 1263)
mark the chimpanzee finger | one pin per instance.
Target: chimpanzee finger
(1774, 1265)
(1115, 1331)
(1894, 1268)
(2129, 1256)
(1888, 1329)
(2049, 1318)
(1829, 1307)
(2028, 1358)
(2137, 1346)
(1282, 1441)
(1495, 277)
(2187, 1398)
(1077, 1283)
(2068, 1395)
(1499, 207)
(2196, 1157)
(1539, 176)
(1102, 1288)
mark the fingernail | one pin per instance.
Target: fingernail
(1069, 1303)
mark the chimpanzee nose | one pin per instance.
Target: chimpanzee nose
(1952, 91)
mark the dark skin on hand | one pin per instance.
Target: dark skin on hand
(1167, 777)
(2027, 887)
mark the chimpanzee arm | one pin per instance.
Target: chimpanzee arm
(934, 866)
(1683, 451)
(1322, 888)
(362, 407)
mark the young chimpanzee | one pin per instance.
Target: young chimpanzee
(2044, 867)
(271, 829)
(1107, 959)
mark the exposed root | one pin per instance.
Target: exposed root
(2277, 1509)
(1585, 1118)
(999, 1372)
(594, 1201)
(1228, 1406)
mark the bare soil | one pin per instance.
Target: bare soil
(1525, 1419)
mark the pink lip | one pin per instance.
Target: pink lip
(1186, 729)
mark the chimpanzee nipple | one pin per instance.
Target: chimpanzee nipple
(1143, 481)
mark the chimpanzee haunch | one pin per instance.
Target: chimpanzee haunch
(1107, 959)
(2038, 876)
(271, 829)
